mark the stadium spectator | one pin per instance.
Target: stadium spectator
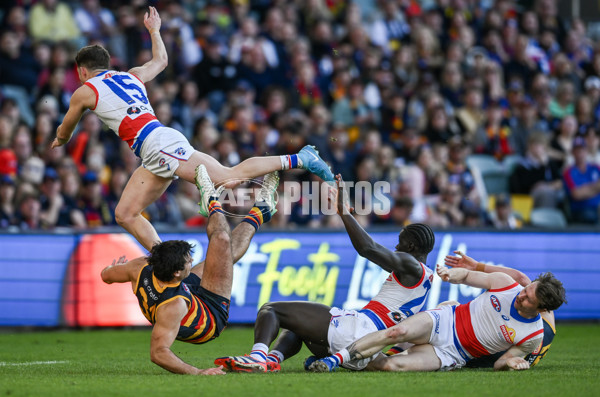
(537, 176)
(53, 20)
(406, 62)
(503, 216)
(8, 216)
(582, 182)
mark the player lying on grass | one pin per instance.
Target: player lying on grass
(534, 357)
(120, 100)
(325, 329)
(191, 304)
(506, 318)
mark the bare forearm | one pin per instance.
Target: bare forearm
(159, 52)
(64, 133)
(517, 275)
(361, 241)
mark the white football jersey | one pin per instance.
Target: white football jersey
(490, 324)
(394, 302)
(122, 104)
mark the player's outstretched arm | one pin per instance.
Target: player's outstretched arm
(123, 271)
(160, 59)
(82, 99)
(513, 359)
(474, 279)
(168, 317)
(464, 261)
(365, 245)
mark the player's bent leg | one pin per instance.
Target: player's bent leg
(247, 169)
(417, 358)
(143, 189)
(218, 265)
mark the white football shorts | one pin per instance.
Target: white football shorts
(162, 150)
(442, 338)
(346, 327)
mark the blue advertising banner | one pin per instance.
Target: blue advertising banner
(320, 267)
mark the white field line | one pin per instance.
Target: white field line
(5, 364)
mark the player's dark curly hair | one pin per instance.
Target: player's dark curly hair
(421, 236)
(168, 257)
(550, 292)
(93, 57)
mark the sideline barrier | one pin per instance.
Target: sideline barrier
(53, 280)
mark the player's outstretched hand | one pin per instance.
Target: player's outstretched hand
(461, 260)
(343, 203)
(443, 272)
(517, 363)
(122, 260)
(213, 371)
(152, 19)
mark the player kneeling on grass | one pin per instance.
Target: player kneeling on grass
(506, 318)
(191, 304)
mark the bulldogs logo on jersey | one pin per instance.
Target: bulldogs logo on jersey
(495, 303)
(134, 110)
(508, 333)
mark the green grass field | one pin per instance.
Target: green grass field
(116, 362)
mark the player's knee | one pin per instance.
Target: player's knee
(392, 364)
(123, 217)
(396, 333)
(220, 237)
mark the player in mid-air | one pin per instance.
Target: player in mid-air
(191, 304)
(506, 318)
(325, 329)
(120, 101)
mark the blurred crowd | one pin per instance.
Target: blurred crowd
(402, 91)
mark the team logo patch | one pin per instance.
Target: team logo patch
(185, 287)
(134, 110)
(146, 282)
(180, 151)
(495, 303)
(508, 333)
(162, 161)
(397, 317)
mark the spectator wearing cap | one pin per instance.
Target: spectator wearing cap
(537, 176)
(503, 217)
(51, 199)
(94, 206)
(582, 182)
(214, 75)
(29, 212)
(7, 205)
